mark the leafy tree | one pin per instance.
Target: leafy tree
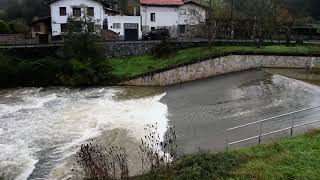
(4, 27)
(26, 10)
(85, 56)
(262, 13)
(19, 27)
(216, 14)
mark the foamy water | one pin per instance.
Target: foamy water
(41, 128)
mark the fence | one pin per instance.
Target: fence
(260, 124)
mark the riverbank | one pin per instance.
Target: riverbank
(55, 71)
(290, 158)
(137, 66)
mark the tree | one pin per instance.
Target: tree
(216, 13)
(285, 21)
(4, 27)
(19, 27)
(25, 10)
(262, 13)
(85, 56)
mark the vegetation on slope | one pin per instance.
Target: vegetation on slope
(291, 158)
(74, 70)
(128, 67)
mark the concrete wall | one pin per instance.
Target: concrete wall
(222, 65)
(57, 20)
(126, 48)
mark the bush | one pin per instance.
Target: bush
(97, 162)
(206, 166)
(8, 71)
(4, 27)
(164, 49)
(18, 27)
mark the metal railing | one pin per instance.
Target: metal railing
(261, 122)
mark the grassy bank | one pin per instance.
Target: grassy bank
(291, 158)
(46, 70)
(128, 67)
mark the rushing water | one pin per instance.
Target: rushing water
(40, 128)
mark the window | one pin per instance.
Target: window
(64, 28)
(153, 28)
(76, 12)
(116, 26)
(153, 17)
(63, 11)
(105, 24)
(182, 29)
(37, 28)
(192, 11)
(108, 5)
(90, 11)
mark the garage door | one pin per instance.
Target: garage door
(131, 32)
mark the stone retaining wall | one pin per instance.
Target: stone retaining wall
(223, 65)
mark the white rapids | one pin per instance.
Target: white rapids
(40, 128)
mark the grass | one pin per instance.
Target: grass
(129, 67)
(290, 158)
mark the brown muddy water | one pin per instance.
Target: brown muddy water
(41, 128)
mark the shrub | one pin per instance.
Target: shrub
(97, 162)
(8, 71)
(18, 27)
(164, 49)
(4, 27)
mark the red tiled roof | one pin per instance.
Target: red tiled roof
(162, 2)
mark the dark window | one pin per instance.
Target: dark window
(105, 24)
(63, 11)
(153, 17)
(153, 28)
(108, 5)
(182, 29)
(90, 27)
(37, 28)
(77, 12)
(64, 28)
(90, 11)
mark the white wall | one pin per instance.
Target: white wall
(57, 20)
(187, 18)
(122, 20)
(165, 16)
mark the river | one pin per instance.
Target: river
(41, 128)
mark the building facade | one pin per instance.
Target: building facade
(128, 27)
(62, 9)
(109, 19)
(175, 15)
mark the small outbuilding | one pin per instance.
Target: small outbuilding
(41, 29)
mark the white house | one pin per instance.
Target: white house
(175, 15)
(128, 27)
(62, 9)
